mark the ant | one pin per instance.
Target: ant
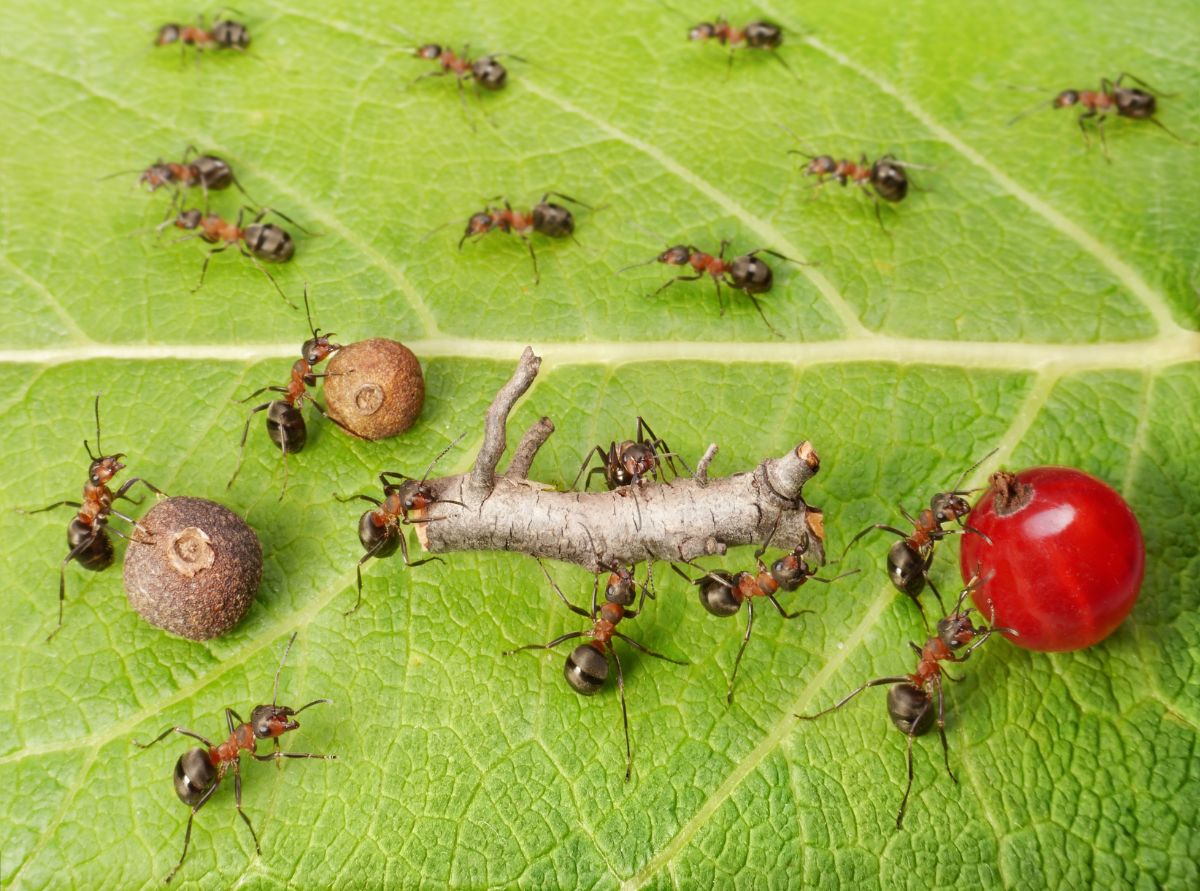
(403, 504)
(756, 35)
(199, 771)
(257, 241)
(486, 72)
(546, 217)
(911, 699)
(746, 273)
(910, 558)
(885, 178)
(87, 536)
(632, 461)
(586, 667)
(285, 421)
(723, 593)
(1127, 102)
(225, 34)
(208, 172)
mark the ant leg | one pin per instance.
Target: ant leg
(882, 526)
(783, 612)
(283, 449)
(321, 411)
(596, 450)
(780, 256)
(263, 211)
(567, 197)
(624, 715)
(404, 550)
(578, 610)
(187, 835)
(237, 798)
(902, 679)
(936, 592)
(387, 475)
(371, 552)
(841, 575)
(62, 579)
(367, 498)
(1156, 122)
(678, 278)
(262, 390)
(909, 760)
(642, 648)
(245, 433)
(532, 256)
(1139, 82)
(249, 256)
(1087, 140)
(941, 724)
(763, 315)
(783, 62)
(762, 550)
(1103, 139)
(741, 650)
(40, 510)
(245, 194)
(204, 266)
(278, 756)
(128, 484)
(547, 646)
(180, 730)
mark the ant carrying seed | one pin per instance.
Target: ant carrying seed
(723, 593)
(199, 771)
(548, 218)
(1126, 102)
(403, 504)
(756, 35)
(224, 34)
(746, 273)
(911, 700)
(285, 421)
(87, 536)
(206, 172)
(257, 241)
(586, 667)
(910, 558)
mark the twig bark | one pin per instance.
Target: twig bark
(680, 520)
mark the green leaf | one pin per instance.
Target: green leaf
(1027, 296)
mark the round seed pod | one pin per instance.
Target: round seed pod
(195, 568)
(375, 388)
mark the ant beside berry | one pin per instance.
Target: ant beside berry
(224, 34)
(723, 593)
(199, 771)
(910, 558)
(1126, 102)
(257, 241)
(206, 172)
(403, 504)
(586, 667)
(548, 218)
(285, 421)
(87, 536)
(746, 273)
(912, 698)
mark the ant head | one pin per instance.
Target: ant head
(889, 179)
(676, 255)
(428, 51)
(1066, 99)
(480, 224)
(271, 721)
(586, 669)
(156, 176)
(1133, 103)
(821, 165)
(717, 594)
(414, 495)
(948, 507)
(763, 35)
(553, 220)
(637, 459)
(620, 589)
(957, 630)
(319, 347)
(906, 568)
(189, 219)
(104, 468)
(702, 31)
(791, 571)
(910, 709)
(489, 73)
(168, 34)
(750, 274)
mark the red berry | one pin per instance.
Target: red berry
(1066, 559)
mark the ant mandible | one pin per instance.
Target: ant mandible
(285, 421)
(257, 241)
(911, 699)
(1127, 102)
(548, 218)
(403, 504)
(199, 771)
(87, 536)
(224, 34)
(206, 172)
(746, 273)
(756, 35)
(910, 558)
(586, 667)
(723, 593)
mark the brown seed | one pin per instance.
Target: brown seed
(195, 569)
(375, 388)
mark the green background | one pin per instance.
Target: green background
(1031, 297)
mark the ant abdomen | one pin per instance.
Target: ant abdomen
(379, 541)
(268, 242)
(489, 73)
(717, 594)
(194, 775)
(553, 220)
(98, 554)
(231, 35)
(910, 709)
(907, 568)
(750, 274)
(285, 426)
(1134, 103)
(763, 35)
(586, 669)
(889, 179)
(214, 173)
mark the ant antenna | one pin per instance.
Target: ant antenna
(99, 451)
(441, 455)
(636, 265)
(283, 658)
(316, 332)
(1027, 112)
(968, 472)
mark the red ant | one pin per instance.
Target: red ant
(910, 558)
(285, 421)
(546, 217)
(403, 504)
(910, 701)
(723, 593)
(199, 771)
(87, 536)
(756, 35)
(746, 273)
(208, 172)
(224, 34)
(1127, 102)
(486, 72)
(586, 667)
(258, 241)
